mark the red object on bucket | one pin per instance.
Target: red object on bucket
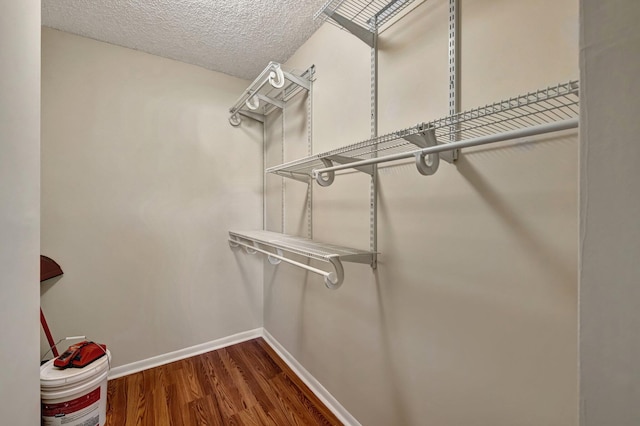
(80, 355)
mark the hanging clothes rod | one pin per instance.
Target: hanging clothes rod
(332, 280)
(273, 244)
(420, 154)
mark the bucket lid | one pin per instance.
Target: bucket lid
(51, 376)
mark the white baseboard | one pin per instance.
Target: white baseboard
(159, 360)
(316, 387)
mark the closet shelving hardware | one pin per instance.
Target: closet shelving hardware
(547, 110)
(274, 245)
(361, 18)
(268, 92)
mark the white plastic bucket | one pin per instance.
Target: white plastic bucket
(74, 396)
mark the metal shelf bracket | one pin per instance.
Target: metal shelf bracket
(295, 176)
(328, 178)
(355, 29)
(266, 99)
(305, 84)
(362, 18)
(427, 164)
(427, 137)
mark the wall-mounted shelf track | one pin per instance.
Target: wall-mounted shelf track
(547, 110)
(361, 18)
(269, 91)
(274, 245)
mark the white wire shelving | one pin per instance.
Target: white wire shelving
(362, 18)
(269, 91)
(547, 110)
(274, 245)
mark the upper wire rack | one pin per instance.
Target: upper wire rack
(269, 91)
(553, 104)
(365, 13)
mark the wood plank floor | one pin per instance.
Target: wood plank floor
(244, 384)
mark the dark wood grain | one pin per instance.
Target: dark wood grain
(247, 384)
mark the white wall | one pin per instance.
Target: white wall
(609, 212)
(19, 211)
(142, 176)
(471, 317)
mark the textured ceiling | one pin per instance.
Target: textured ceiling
(236, 37)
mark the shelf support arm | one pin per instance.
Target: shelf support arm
(319, 177)
(422, 140)
(330, 176)
(305, 84)
(427, 164)
(295, 176)
(340, 159)
(269, 100)
(355, 29)
(252, 115)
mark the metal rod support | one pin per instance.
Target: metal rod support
(252, 115)
(267, 99)
(305, 84)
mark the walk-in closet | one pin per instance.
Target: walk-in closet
(331, 212)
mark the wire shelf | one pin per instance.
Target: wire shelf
(364, 13)
(553, 104)
(302, 246)
(274, 245)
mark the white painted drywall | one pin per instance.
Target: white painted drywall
(471, 317)
(142, 177)
(609, 212)
(19, 211)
